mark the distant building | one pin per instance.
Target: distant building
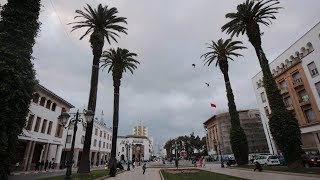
(140, 130)
(43, 137)
(101, 140)
(296, 74)
(218, 132)
(140, 148)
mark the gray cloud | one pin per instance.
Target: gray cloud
(165, 92)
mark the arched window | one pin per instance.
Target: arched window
(35, 98)
(42, 101)
(53, 108)
(48, 104)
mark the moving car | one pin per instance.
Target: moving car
(267, 160)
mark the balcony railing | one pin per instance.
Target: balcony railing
(289, 106)
(297, 82)
(304, 100)
(284, 90)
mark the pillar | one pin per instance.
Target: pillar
(57, 158)
(95, 158)
(45, 152)
(26, 156)
(75, 157)
(33, 144)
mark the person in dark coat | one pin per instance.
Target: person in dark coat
(176, 162)
(144, 167)
(133, 161)
(257, 166)
(46, 165)
(37, 166)
(41, 165)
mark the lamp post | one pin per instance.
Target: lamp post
(64, 119)
(128, 146)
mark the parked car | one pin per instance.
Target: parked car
(267, 160)
(311, 160)
(282, 160)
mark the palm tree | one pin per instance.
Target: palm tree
(222, 51)
(283, 125)
(19, 27)
(118, 61)
(101, 22)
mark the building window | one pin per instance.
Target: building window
(96, 132)
(266, 110)
(283, 85)
(296, 78)
(310, 116)
(99, 143)
(104, 135)
(100, 133)
(288, 101)
(44, 126)
(53, 108)
(68, 138)
(30, 122)
(37, 126)
(48, 105)
(318, 87)
(108, 137)
(104, 144)
(263, 97)
(303, 96)
(82, 139)
(122, 149)
(49, 128)
(36, 98)
(313, 69)
(95, 143)
(42, 101)
(59, 130)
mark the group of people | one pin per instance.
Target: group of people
(46, 165)
(202, 162)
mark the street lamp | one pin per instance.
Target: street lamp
(128, 146)
(66, 122)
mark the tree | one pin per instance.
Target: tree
(101, 22)
(118, 61)
(283, 125)
(19, 26)
(222, 52)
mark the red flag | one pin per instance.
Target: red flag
(213, 105)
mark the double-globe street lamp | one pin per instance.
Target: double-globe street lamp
(66, 121)
(128, 146)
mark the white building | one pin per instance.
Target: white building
(140, 148)
(295, 72)
(43, 137)
(100, 149)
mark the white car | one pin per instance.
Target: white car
(267, 160)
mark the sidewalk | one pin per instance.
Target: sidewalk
(136, 174)
(256, 175)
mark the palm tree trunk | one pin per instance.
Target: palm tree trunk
(84, 166)
(18, 28)
(283, 125)
(238, 138)
(113, 161)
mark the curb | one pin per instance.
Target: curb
(161, 176)
(280, 172)
(108, 176)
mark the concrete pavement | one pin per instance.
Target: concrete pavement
(247, 174)
(136, 174)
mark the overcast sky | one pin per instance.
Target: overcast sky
(166, 93)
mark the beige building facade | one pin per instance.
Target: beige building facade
(218, 132)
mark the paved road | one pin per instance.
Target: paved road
(256, 175)
(136, 174)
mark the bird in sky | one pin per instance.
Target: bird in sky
(193, 65)
(207, 84)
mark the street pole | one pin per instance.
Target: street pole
(70, 161)
(128, 154)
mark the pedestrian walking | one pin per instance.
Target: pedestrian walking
(17, 165)
(204, 162)
(46, 165)
(176, 162)
(133, 161)
(200, 161)
(258, 167)
(50, 164)
(144, 167)
(37, 166)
